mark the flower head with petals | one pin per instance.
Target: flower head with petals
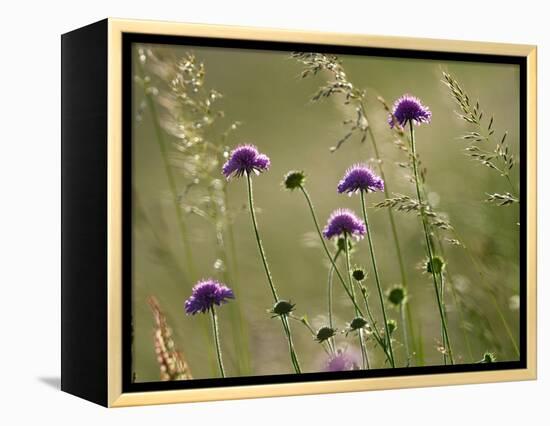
(342, 361)
(409, 109)
(344, 222)
(205, 295)
(245, 159)
(360, 178)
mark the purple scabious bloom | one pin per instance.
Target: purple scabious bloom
(341, 361)
(344, 221)
(245, 159)
(408, 108)
(360, 178)
(205, 295)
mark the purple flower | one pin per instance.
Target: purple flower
(245, 159)
(341, 361)
(205, 295)
(344, 221)
(360, 178)
(408, 108)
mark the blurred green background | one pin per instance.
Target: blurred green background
(264, 91)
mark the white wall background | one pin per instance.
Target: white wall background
(30, 200)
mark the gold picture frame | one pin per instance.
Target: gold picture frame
(115, 396)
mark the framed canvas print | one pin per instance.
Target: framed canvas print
(251, 212)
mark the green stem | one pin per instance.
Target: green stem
(240, 342)
(457, 302)
(324, 244)
(329, 349)
(405, 336)
(442, 292)
(330, 280)
(377, 278)
(231, 238)
(395, 238)
(374, 328)
(363, 343)
(514, 191)
(429, 245)
(286, 326)
(340, 277)
(217, 340)
(351, 286)
(258, 239)
(293, 356)
(390, 212)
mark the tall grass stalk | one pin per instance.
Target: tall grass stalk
(374, 328)
(185, 102)
(180, 223)
(439, 223)
(240, 342)
(405, 337)
(457, 302)
(163, 148)
(500, 157)
(398, 251)
(498, 309)
(425, 225)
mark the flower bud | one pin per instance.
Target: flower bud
(392, 326)
(488, 358)
(294, 179)
(341, 244)
(358, 274)
(436, 265)
(324, 333)
(397, 295)
(282, 307)
(357, 323)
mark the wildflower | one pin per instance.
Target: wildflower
(294, 179)
(325, 333)
(242, 161)
(245, 159)
(341, 361)
(205, 295)
(409, 109)
(397, 295)
(360, 178)
(344, 221)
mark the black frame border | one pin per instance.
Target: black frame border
(128, 39)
